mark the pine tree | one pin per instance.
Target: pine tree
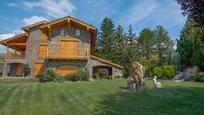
(146, 43)
(119, 44)
(132, 46)
(163, 44)
(105, 38)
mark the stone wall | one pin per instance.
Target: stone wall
(32, 47)
(51, 64)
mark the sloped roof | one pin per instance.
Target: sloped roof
(14, 39)
(106, 61)
(26, 28)
(69, 18)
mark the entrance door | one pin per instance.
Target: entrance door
(19, 71)
(39, 68)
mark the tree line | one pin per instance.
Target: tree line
(122, 47)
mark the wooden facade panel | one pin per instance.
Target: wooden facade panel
(19, 70)
(68, 48)
(43, 51)
(39, 69)
(64, 70)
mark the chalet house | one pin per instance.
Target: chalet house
(65, 45)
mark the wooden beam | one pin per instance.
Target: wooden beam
(17, 44)
(15, 52)
(49, 33)
(69, 26)
(7, 51)
(81, 23)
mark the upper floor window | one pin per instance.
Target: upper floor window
(78, 32)
(55, 32)
(58, 31)
(62, 32)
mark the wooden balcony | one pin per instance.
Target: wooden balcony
(15, 55)
(58, 53)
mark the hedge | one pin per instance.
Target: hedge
(81, 75)
(165, 71)
(200, 77)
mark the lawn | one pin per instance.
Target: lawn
(101, 97)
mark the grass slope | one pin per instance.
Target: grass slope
(99, 97)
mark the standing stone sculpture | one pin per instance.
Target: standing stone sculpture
(137, 73)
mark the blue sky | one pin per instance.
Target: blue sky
(15, 14)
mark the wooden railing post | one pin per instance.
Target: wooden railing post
(7, 52)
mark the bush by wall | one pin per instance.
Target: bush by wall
(165, 71)
(158, 71)
(200, 77)
(82, 75)
(49, 76)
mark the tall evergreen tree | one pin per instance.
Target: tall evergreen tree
(132, 48)
(189, 45)
(105, 38)
(146, 43)
(163, 44)
(119, 44)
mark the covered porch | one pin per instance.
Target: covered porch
(15, 68)
(15, 46)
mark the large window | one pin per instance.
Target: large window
(78, 32)
(57, 32)
(62, 32)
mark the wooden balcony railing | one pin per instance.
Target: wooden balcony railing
(59, 53)
(17, 54)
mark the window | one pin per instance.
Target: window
(55, 32)
(62, 33)
(77, 32)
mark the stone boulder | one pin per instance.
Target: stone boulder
(137, 73)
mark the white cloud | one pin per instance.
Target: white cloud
(140, 11)
(53, 8)
(34, 19)
(12, 4)
(9, 35)
(5, 36)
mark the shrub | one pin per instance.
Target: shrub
(158, 71)
(82, 75)
(49, 75)
(200, 77)
(165, 71)
(169, 71)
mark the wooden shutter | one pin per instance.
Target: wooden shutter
(68, 48)
(64, 70)
(39, 68)
(43, 51)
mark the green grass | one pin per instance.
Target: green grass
(100, 97)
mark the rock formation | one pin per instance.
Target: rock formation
(137, 73)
